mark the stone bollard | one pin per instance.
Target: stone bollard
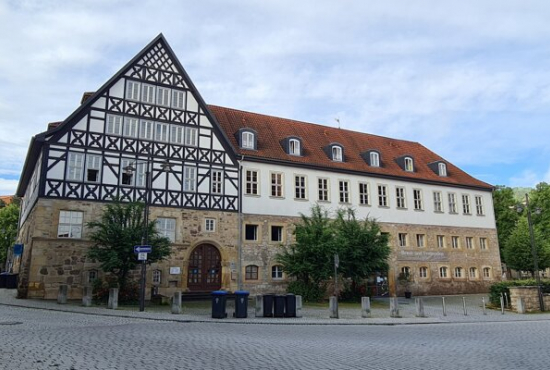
(298, 306)
(419, 303)
(62, 295)
(87, 294)
(113, 299)
(176, 303)
(394, 307)
(333, 307)
(520, 305)
(259, 312)
(365, 307)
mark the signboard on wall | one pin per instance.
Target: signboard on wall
(425, 256)
(175, 270)
(18, 249)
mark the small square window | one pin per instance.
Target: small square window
(210, 224)
(277, 272)
(402, 239)
(276, 233)
(70, 224)
(251, 232)
(251, 272)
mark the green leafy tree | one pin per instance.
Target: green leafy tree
(9, 218)
(539, 203)
(518, 251)
(115, 234)
(506, 214)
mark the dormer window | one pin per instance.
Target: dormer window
(337, 154)
(409, 164)
(294, 147)
(374, 158)
(442, 169)
(247, 139)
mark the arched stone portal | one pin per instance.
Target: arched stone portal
(205, 269)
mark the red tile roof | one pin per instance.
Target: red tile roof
(271, 130)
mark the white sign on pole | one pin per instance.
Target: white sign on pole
(142, 256)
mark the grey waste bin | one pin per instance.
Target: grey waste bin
(219, 298)
(268, 305)
(290, 310)
(241, 304)
(279, 306)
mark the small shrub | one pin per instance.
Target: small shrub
(504, 287)
(127, 295)
(309, 292)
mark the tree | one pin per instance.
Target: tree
(539, 199)
(9, 218)
(518, 251)
(506, 214)
(115, 234)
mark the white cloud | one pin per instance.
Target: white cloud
(7, 186)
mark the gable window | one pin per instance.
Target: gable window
(277, 272)
(157, 277)
(114, 125)
(337, 153)
(217, 181)
(276, 184)
(409, 166)
(70, 224)
(161, 131)
(364, 196)
(417, 196)
(247, 140)
(479, 206)
(420, 240)
(442, 169)
(483, 243)
(402, 239)
(251, 272)
(300, 187)
(93, 168)
(458, 272)
(251, 232)
(374, 158)
(423, 272)
(146, 129)
(466, 204)
(178, 99)
(400, 197)
(443, 272)
(251, 185)
(452, 202)
(276, 233)
(210, 224)
(455, 242)
(344, 191)
(163, 96)
(148, 94)
(131, 127)
(132, 90)
(189, 178)
(75, 166)
(323, 190)
(382, 195)
(438, 204)
(190, 136)
(473, 273)
(167, 227)
(441, 241)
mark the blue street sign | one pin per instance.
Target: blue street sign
(143, 249)
(18, 249)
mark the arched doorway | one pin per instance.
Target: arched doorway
(205, 268)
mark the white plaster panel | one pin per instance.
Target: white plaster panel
(63, 139)
(96, 125)
(204, 121)
(204, 142)
(57, 171)
(192, 105)
(100, 103)
(97, 114)
(216, 144)
(82, 124)
(117, 90)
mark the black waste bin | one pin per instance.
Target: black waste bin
(11, 281)
(219, 298)
(241, 304)
(279, 306)
(290, 305)
(268, 305)
(3, 278)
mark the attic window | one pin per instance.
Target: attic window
(374, 159)
(247, 140)
(442, 169)
(294, 147)
(409, 166)
(337, 153)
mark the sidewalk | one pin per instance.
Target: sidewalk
(310, 315)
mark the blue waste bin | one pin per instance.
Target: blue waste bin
(219, 298)
(241, 304)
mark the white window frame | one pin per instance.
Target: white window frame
(176, 134)
(374, 159)
(300, 187)
(442, 169)
(323, 187)
(383, 196)
(487, 273)
(216, 181)
(93, 163)
(469, 242)
(131, 127)
(178, 99)
(75, 166)
(364, 193)
(167, 227)
(400, 197)
(70, 224)
(157, 277)
(163, 96)
(438, 202)
(133, 90)
(420, 240)
(441, 241)
(146, 129)
(271, 234)
(148, 93)
(277, 272)
(294, 147)
(466, 204)
(480, 210)
(337, 153)
(252, 182)
(472, 272)
(402, 237)
(483, 243)
(189, 178)
(423, 272)
(452, 203)
(191, 138)
(113, 124)
(277, 181)
(409, 164)
(210, 224)
(458, 272)
(443, 272)
(247, 140)
(417, 197)
(162, 132)
(455, 242)
(343, 191)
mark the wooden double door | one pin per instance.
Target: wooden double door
(205, 269)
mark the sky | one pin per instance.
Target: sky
(469, 80)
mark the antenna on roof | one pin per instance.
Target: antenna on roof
(337, 120)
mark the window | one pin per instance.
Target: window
(374, 159)
(161, 131)
(133, 173)
(458, 272)
(146, 129)
(217, 181)
(469, 242)
(114, 125)
(441, 241)
(473, 273)
(382, 195)
(251, 272)
(210, 224)
(92, 275)
(443, 272)
(189, 178)
(364, 194)
(247, 140)
(300, 187)
(176, 134)
(131, 126)
(466, 204)
(423, 272)
(323, 190)
(178, 99)
(420, 238)
(417, 197)
(486, 272)
(483, 243)
(132, 90)
(93, 168)
(402, 239)
(148, 94)
(276, 184)
(400, 197)
(479, 206)
(75, 166)
(294, 147)
(190, 136)
(276, 233)
(251, 232)
(409, 166)
(157, 277)
(344, 191)
(442, 169)
(455, 242)
(251, 182)
(277, 272)
(438, 204)
(406, 270)
(452, 202)
(70, 224)
(167, 227)
(337, 154)
(163, 96)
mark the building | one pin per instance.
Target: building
(238, 182)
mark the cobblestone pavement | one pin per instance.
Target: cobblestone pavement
(42, 339)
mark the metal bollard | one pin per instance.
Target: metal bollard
(464, 306)
(176, 303)
(365, 307)
(502, 304)
(506, 301)
(483, 301)
(444, 307)
(419, 303)
(333, 306)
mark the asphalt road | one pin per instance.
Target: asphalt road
(41, 339)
